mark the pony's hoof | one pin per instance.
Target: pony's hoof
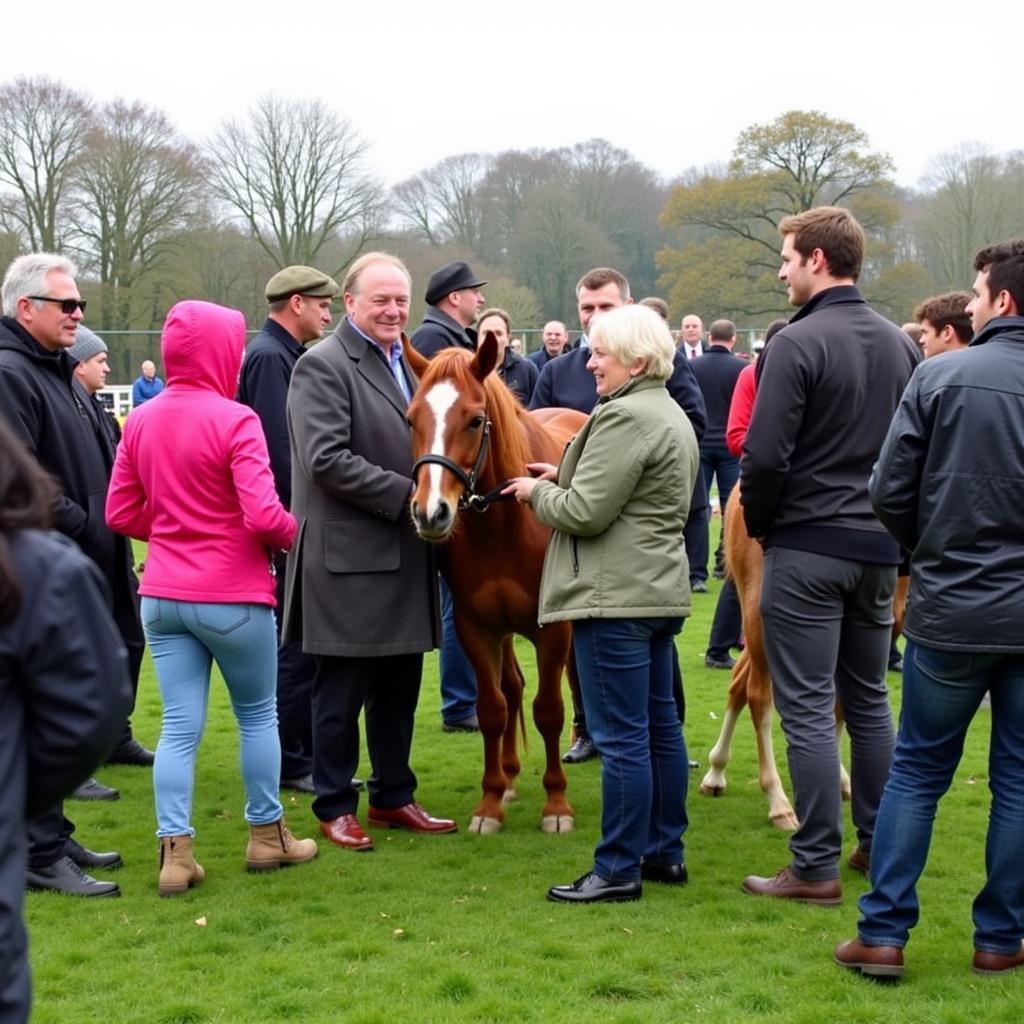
(786, 821)
(484, 826)
(709, 788)
(508, 796)
(556, 824)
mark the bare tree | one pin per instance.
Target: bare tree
(136, 186)
(295, 174)
(43, 127)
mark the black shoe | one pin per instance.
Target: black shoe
(698, 587)
(471, 724)
(694, 765)
(728, 662)
(582, 750)
(303, 784)
(357, 783)
(64, 875)
(93, 790)
(667, 874)
(896, 665)
(89, 858)
(719, 574)
(133, 753)
(592, 888)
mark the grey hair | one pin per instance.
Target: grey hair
(632, 333)
(27, 276)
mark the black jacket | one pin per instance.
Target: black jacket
(949, 486)
(716, 372)
(519, 375)
(567, 383)
(263, 386)
(828, 385)
(540, 358)
(439, 331)
(60, 424)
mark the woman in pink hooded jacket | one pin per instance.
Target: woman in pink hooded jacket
(192, 478)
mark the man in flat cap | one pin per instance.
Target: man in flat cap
(300, 312)
(454, 300)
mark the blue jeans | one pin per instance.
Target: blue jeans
(625, 669)
(941, 693)
(185, 638)
(718, 461)
(458, 680)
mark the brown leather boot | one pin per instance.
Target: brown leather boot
(178, 868)
(272, 846)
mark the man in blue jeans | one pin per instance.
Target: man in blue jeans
(949, 486)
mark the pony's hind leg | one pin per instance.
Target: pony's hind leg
(553, 644)
(713, 783)
(512, 686)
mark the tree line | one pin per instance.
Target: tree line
(152, 216)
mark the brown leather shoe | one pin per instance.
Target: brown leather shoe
(875, 961)
(860, 861)
(347, 833)
(996, 963)
(786, 886)
(411, 817)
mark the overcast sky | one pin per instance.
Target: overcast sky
(674, 83)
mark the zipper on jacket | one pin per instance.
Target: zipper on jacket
(575, 555)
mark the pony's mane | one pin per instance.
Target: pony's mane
(509, 451)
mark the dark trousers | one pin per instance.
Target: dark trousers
(827, 623)
(136, 650)
(15, 984)
(46, 835)
(695, 536)
(295, 672)
(387, 689)
(717, 462)
(727, 625)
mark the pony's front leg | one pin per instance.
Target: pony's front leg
(484, 653)
(512, 686)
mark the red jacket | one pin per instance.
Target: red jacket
(741, 409)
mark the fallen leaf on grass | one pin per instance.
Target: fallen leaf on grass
(398, 933)
(712, 716)
(200, 922)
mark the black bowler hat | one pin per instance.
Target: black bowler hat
(451, 278)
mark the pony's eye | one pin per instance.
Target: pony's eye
(476, 422)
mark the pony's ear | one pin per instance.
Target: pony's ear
(486, 357)
(416, 360)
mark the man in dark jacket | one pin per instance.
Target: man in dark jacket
(569, 384)
(517, 373)
(554, 341)
(300, 311)
(54, 417)
(829, 384)
(949, 487)
(64, 687)
(453, 302)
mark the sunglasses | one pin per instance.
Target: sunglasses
(67, 306)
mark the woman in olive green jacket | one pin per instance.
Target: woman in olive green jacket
(616, 566)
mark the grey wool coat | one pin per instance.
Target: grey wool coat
(360, 581)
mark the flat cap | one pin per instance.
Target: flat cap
(300, 281)
(86, 344)
(452, 277)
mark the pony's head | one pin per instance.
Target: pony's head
(456, 407)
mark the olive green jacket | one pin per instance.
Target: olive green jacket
(618, 510)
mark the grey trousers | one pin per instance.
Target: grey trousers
(827, 624)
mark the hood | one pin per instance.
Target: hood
(202, 344)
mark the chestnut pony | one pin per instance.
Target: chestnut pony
(469, 436)
(751, 684)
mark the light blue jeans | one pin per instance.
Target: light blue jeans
(185, 638)
(941, 693)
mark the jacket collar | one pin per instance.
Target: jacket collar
(841, 293)
(13, 336)
(450, 324)
(1000, 325)
(371, 365)
(643, 383)
(283, 335)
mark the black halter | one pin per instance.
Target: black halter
(469, 497)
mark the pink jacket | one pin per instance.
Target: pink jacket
(192, 475)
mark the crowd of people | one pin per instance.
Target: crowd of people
(280, 548)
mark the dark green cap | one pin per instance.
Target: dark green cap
(301, 281)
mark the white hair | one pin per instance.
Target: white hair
(27, 276)
(632, 333)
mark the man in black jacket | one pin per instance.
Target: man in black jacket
(454, 301)
(554, 341)
(54, 417)
(949, 486)
(300, 311)
(829, 384)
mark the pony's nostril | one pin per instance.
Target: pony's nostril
(443, 512)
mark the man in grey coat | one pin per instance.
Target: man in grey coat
(361, 586)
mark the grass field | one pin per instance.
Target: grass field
(456, 928)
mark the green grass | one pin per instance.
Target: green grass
(456, 928)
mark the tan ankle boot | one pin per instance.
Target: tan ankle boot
(273, 846)
(178, 868)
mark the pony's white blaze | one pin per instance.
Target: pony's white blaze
(440, 399)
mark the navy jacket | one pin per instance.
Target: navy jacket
(263, 386)
(716, 372)
(519, 375)
(540, 358)
(439, 331)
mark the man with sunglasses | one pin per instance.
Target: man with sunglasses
(54, 416)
